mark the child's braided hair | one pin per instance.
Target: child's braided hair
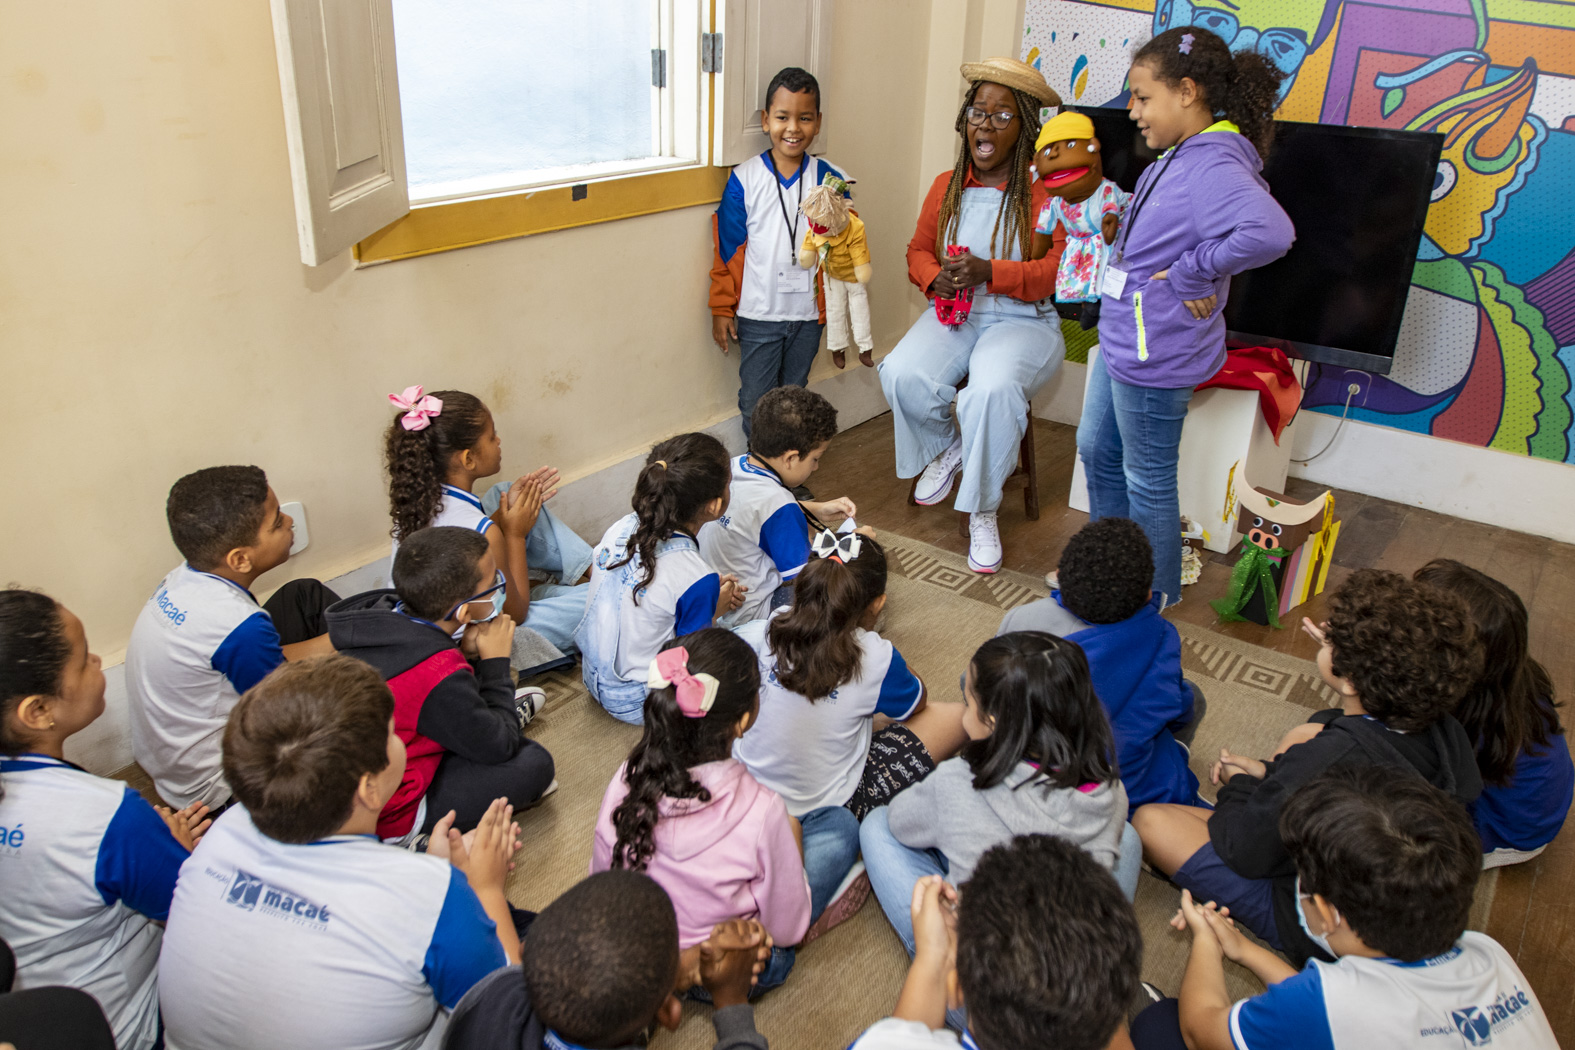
(1016, 210)
(681, 475)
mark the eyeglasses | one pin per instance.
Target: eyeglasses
(1000, 120)
(499, 582)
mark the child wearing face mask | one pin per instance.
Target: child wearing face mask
(1387, 866)
(441, 640)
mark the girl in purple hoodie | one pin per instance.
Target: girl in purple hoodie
(690, 816)
(1199, 214)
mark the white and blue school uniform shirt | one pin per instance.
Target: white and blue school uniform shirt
(894, 1033)
(760, 207)
(1472, 995)
(680, 599)
(86, 867)
(812, 754)
(343, 943)
(763, 539)
(458, 509)
(198, 644)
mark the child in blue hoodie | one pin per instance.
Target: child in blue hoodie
(1199, 214)
(1106, 604)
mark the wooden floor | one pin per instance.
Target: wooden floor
(1534, 910)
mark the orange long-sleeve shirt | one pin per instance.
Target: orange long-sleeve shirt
(1029, 281)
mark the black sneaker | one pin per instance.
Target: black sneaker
(801, 492)
(528, 702)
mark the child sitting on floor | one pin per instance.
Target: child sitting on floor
(1400, 656)
(685, 812)
(88, 867)
(202, 640)
(825, 676)
(460, 722)
(763, 539)
(1037, 762)
(649, 583)
(1386, 868)
(1528, 780)
(602, 968)
(436, 450)
(292, 926)
(1105, 603)
(1042, 950)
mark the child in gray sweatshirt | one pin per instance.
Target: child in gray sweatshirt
(1040, 761)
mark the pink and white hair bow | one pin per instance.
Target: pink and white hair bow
(696, 692)
(419, 408)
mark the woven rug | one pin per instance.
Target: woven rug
(937, 614)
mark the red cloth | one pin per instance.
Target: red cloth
(1267, 370)
(422, 755)
(1029, 281)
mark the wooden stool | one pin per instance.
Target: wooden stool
(1027, 468)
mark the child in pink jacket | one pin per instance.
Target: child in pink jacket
(690, 816)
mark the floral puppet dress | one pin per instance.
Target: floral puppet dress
(1083, 262)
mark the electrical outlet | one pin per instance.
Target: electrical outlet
(1358, 385)
(297, 513)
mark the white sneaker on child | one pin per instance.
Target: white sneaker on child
(935, 484)
(984, 542)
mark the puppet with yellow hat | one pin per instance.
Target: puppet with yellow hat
(1090, 206)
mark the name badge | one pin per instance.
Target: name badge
(794, 280)
(1113, 282)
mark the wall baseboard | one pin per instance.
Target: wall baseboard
(588, 505)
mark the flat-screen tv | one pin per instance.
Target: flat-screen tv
(1358, 198)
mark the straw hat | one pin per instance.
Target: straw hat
(1009, 72)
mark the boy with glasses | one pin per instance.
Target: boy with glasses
(441, 641)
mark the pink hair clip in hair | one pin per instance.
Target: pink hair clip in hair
(419, 408)
(1186, 43)
(695, 692)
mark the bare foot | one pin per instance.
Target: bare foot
(839, 358)
(867, 358)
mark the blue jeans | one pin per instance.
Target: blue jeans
(1129, 864)
(831, 845)
(893, 869)
(1130, 442)
(773, 354)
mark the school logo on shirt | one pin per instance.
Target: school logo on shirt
(250, 893)
(1478, 1023)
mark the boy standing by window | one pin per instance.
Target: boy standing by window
(762, 299)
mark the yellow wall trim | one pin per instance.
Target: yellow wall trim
(460, 224)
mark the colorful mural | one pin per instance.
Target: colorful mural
(1487, 348)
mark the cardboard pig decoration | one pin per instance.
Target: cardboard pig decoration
(1286, 549)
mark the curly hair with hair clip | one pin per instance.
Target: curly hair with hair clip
(1409, 651)
(681, 475)
(418, 460)
(1015, 219)
(1511, 706)
(815, 641)
(1243, 88)
(672, 743)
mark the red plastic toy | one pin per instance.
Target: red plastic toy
(953, 312)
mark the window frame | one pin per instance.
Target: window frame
(683, 116)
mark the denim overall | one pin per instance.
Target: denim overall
(597, 635)
(1007, 348)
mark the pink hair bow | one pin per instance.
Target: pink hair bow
(696, 692)
(419, 408)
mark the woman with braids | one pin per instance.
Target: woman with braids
(1011, 343)
(436, 449)
(1198, 215)
(648, 580)
(690, 816)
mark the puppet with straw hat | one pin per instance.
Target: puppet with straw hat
(836, 243)
(1088, 205)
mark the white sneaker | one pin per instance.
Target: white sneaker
(935, 484)
(984, 543)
